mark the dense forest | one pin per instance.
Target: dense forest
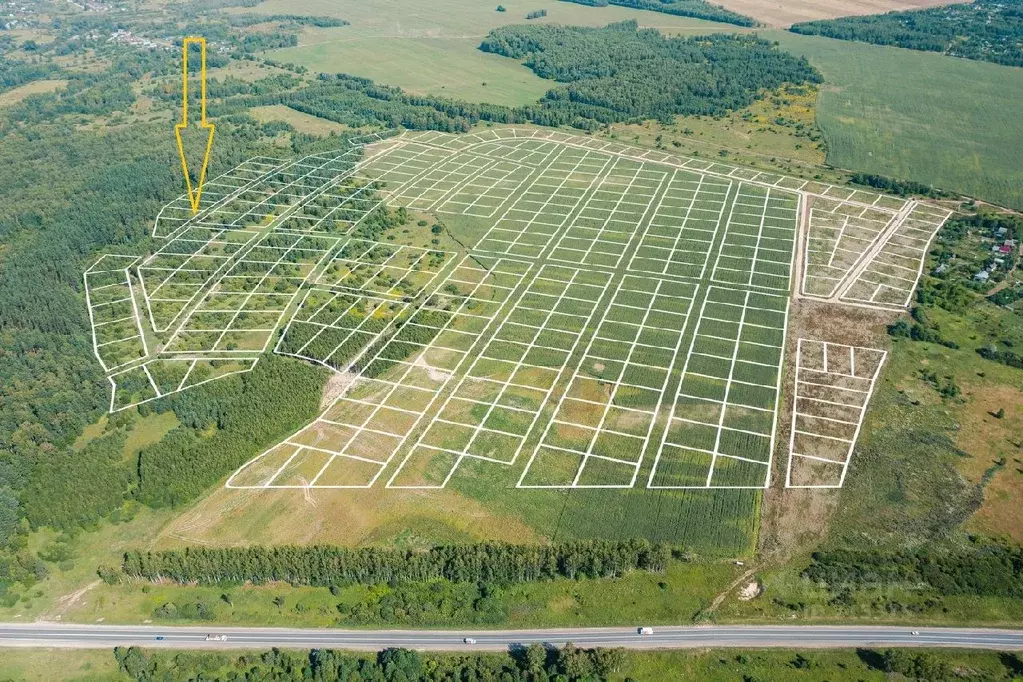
(986, 30)
(621, 72)
(324, 566)
(697, 9)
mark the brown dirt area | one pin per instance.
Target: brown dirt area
(793, 521)
(784, 14)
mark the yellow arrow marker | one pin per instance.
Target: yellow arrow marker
(194, 194)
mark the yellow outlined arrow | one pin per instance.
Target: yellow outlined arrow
(196, 194)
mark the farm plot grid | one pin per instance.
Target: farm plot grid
(603, 423)
(353, 441)
(833, 386)
(117, 336)
(838, 234)
(497, 402)
(759, 239)
(558, 320)
(242, 311)
(680, 236)
(721, 432)
(893, 272)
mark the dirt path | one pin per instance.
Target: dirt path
(64, 604)
(747, 574)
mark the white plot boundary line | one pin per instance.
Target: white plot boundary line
(633, 345)
(181, 385)
(134, 306)
(755, 258)
(681, 228)
(724, 401)
(604, 186)
(467, 262)
(519, 364)
(861, 408)
(378, 303)
(253, 290)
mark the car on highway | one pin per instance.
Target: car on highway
(159, 638)
(216, 638)
(468, 640)
(645, 630)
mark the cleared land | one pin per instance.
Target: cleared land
(582, 316)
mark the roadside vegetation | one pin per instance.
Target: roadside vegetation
(528, 664)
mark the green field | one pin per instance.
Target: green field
(949, 122)
(432, 48)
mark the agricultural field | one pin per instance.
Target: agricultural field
(432, 49)
(512, 315)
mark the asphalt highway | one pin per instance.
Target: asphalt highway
(701, 636)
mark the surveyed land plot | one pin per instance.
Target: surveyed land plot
(680, 235)
(178, 212)
(117, 337)
(542, 210)
(600, 232)
(241, 312)
(175, 276)
(358, 435)
(162, 377)
(892, 274)
(498, 401)
(759, 240)
(334, 329)
(603, 423)
(390, 270)
(721, 432)
(833, 386)
(838, 235)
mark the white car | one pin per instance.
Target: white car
(915, 633)
(645, 631)
(216, 638)
(469, 640)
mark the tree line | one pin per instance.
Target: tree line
(526, 664)
(324, 566)
(986, 30)
(902, 188)
(980, 569)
